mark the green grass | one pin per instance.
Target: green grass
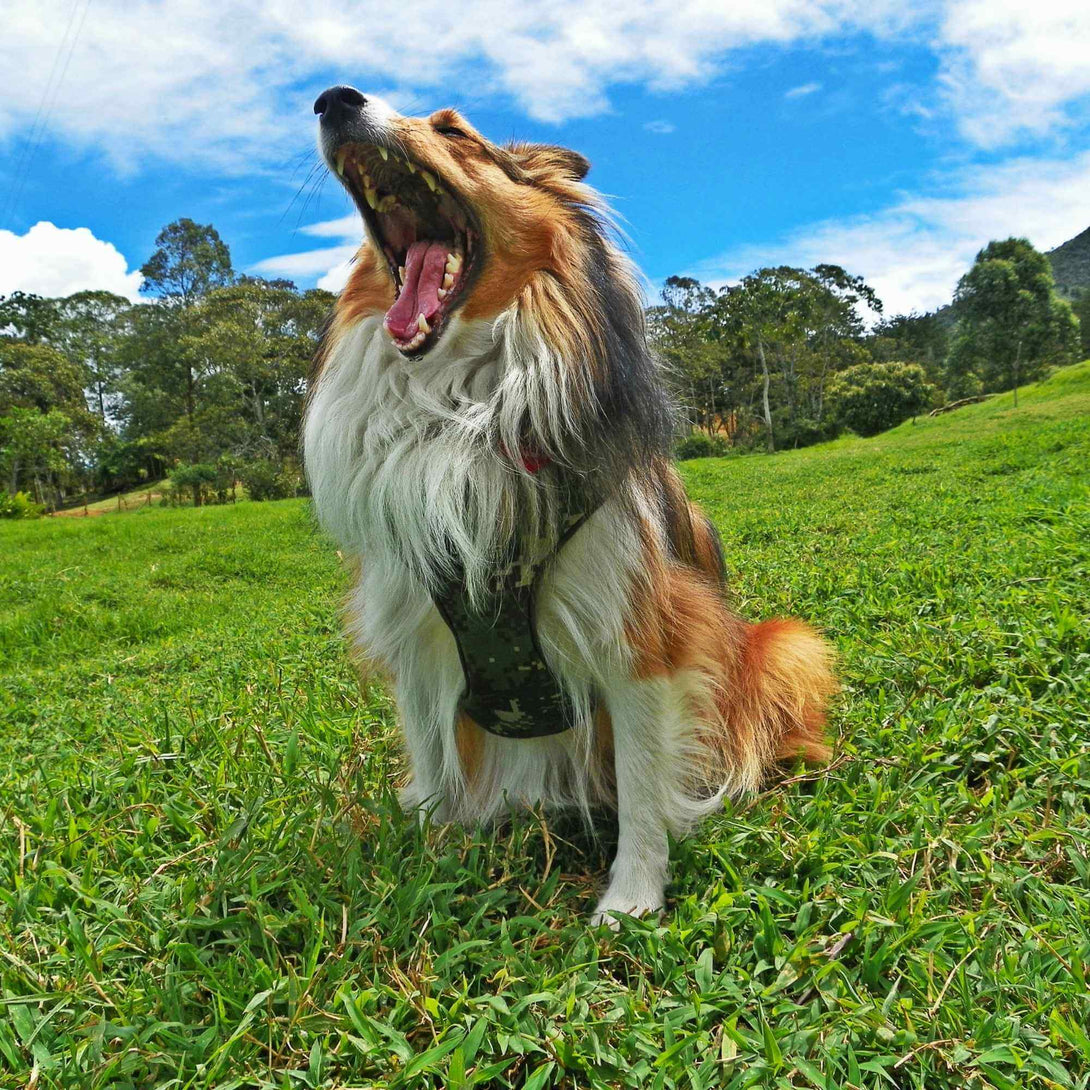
(204, 880)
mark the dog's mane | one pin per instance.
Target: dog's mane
(563, 372)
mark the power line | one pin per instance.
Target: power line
(45, 107)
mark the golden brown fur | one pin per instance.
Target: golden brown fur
(680, 699)
(529, 199)
(770, 681)
(767, 684)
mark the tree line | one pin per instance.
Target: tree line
(793, 356)
(205, 381)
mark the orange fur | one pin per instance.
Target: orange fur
(470, 740)
(522, 224)
(369, 289)
(525, 198)
(763, 687)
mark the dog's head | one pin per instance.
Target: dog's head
(458, 225)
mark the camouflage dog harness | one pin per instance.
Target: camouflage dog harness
(510, 690)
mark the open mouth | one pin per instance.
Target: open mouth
(430, 239)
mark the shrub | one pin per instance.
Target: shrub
(227, 471)
(701, 445)
(804, 431)
(200, 478)
(19, 506)
(266, 480)
(871, 397)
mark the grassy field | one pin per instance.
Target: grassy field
(145, 496)
(204, 880)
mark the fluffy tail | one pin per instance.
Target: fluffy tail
(768, 703)
(786, 681)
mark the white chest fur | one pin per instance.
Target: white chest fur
(402, 464)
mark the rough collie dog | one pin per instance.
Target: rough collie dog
(489, 436)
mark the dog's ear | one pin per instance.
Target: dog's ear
(542, 160)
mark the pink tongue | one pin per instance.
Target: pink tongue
(425, 264)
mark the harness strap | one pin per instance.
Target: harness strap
(510, 690)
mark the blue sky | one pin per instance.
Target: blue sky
(895, 143)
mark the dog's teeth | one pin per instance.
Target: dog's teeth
(388, 203)
(371, 197)
(448, 281)
(430, 179)
(384, 153)
(409, 166)
(401, 273)
(443, 293)
(422, 325)
(413, 342)
(340, 158)
(454, 263)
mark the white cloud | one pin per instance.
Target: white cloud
(307, 263)
(57, 261)
(337, 277)
(913, 252)
(232, 84)
(347, 227)
(1012, 69)
(330, 264)
(661, 128)
(802, 90)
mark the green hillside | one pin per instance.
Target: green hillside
(204, 881)
(1071, 264)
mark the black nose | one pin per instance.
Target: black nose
(337, 103)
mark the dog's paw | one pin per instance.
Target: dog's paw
(632, 900)
(408, 798)
(421, 807)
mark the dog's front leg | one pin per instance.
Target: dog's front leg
(639, 711)
(426, 792)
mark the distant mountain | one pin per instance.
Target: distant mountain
(1070, 269)
(1071, 264)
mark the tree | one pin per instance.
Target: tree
(32, 448)
(212, 372)
(912, 338)
(91, 326)
(1080, 307)
(190, 259)
(38, 376)
(836, 301)
(195, 478)
(1011, 323)
(763, 349)
(773, 313)
(29, 318)
(871, 397)
(677, 330)
(41, 391)
(262, 336)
